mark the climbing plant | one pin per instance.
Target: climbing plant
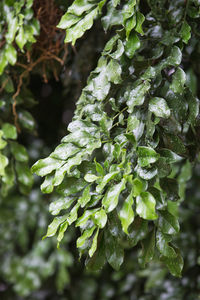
(121, 171)
(122, 185)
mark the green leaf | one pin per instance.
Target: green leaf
(71, 186)
(132, 44)
(62, 229)
(11, 54)
(9, 131)
(80, 6)
(3, 143)
(175, 265)
(113, 17)
(137, 231)
(86, 196)
(162, 242)
(3, 163)
(137, 187)
(137, 95)
(99, 258)
(108, 177)
(24, 175)
(73, 214)
(145, 206)
(21, 38)
(168, 223)
(174, 143)
(101, 85)
(128, 10)
(114, 71)
(175, 56)
(126, 213)
(45, 166)
(12, 29)
(60, 204)
(26, 120)
(53, 227)
(185, 32)
(19, 152)
(159, 107)
(114, 252)
(169, 156)
(64, 151)
(178, 81)
(68, 20)
(85, 217)
(100, 218)
(86, 235)
(47, 185)
(119, 51)
(94, 244)
(129, 25)
(146, 156)
(148, 248)
(139, 21)
(146, 174)
(99, 168)
(110, 200)
(91, 177)
(170, 186)
(77, 30)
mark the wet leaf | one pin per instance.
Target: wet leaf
(110, 200)
(178, 81)
(168, 223)
(159, 107)
(175, 265)
(107, 178)
(126, 213)
(94, 244)
(148, 248)
(114, 252)
(9, 131)
(145, 206)
(19, 152)
(146, 156)
(3, 164)
(162, 242)
(132, 44)
(185, 32)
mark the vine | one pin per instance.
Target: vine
(117, 172)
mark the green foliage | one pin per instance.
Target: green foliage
(17, 25)
(134, 121)
(117, 182)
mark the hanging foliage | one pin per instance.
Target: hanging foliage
(135, 129)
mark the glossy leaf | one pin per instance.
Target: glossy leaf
(145, 206)
(3, 164)
(178, 81)
(126, 213)
(94, 244)
(185, 32)
(168, 223)
(114, 252)
(108, 177)
(110, 200)
(146, 156)
(148, 248)
(162, 242)
(175, 265)
(159, 107)
(9, 131)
